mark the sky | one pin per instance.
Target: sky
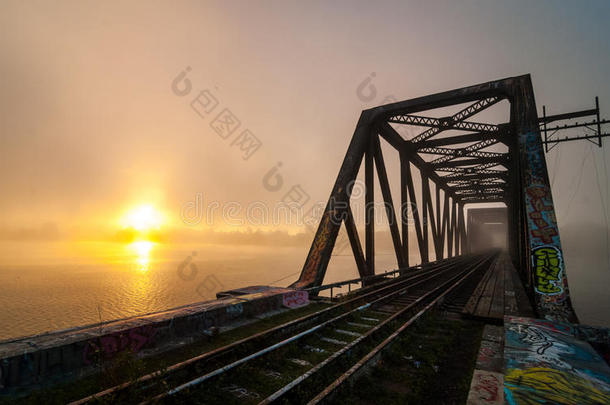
(91, 126)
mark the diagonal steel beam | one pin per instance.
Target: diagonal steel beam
(461, 139)
(455, 153)
(476, 177)
(481, 191)
(384, 184)
(500, 197)
(387, 132)
(467, 112)
(459, 171)
(413, 201)
(442, 124)
(470, 185)
(354, 240)
(472, 151)
(497, 160)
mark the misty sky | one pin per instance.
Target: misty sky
(89, 125)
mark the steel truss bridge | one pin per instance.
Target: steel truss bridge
(459, 155)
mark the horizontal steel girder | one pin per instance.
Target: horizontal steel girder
(497, 160)
(459, 171)
(487, 198)
(458, 152)
(473, 185)
(472, 151)
(480, 191)
(469, 111)
(443, 123)
(460, 139)
(471, 179)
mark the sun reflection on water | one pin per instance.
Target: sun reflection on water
(142, 249)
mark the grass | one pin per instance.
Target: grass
(431, 363)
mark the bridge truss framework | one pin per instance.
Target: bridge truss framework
(465, 171)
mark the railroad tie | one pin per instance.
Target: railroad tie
(359, 325)
(377, 311)
(315, 349)
(300, 362)
(335, 341)
(347, 332)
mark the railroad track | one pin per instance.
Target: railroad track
(284, 362)
(457, 299)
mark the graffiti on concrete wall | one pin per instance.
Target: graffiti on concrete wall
(295, 299)
(490, 356)
(235, 309)
(546, 362)
(539, 385)
(486, 388)
(106, 347)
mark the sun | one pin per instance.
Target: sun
(143, 218)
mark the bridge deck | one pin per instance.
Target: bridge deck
(500, 292)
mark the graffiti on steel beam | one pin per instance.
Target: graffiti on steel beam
(542, 215)
(548, 268)
(315, 256)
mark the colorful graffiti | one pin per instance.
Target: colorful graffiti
(295, 299)
(538, 385)
(490, 356)
(108, 346)
(548, 267)
(536, 165)
(487, 379)
(548, 271)
(542, 214)
(314, 259)
(235, 309)
(546, 362)
(486, 388)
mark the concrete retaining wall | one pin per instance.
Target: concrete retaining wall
(33, 359)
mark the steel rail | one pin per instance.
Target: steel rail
(268, 349)
(316, 369)
(388, 285)
(389, 340)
